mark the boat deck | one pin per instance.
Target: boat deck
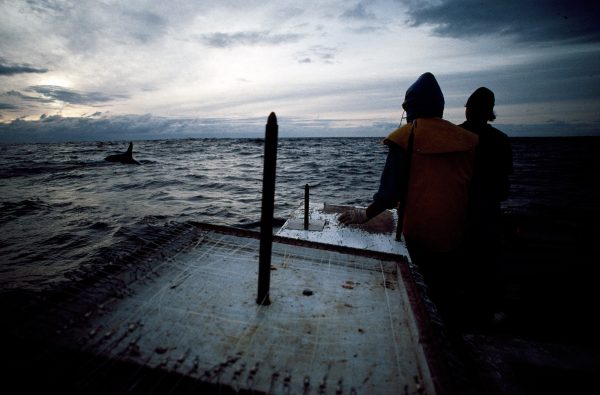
(342, 321)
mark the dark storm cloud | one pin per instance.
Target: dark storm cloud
(19, 96)
(226, 40)
(47, 94)
(12, 69)
(560, 78)
(7, 106)
(58, 93)
(544, 21)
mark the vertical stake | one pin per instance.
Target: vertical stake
(306, 190)
(266, 215)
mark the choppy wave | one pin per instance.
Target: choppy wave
(63, 207)
(64, 210)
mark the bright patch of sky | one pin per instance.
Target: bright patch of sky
(340, 67)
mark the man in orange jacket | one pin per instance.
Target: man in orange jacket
(428, 168)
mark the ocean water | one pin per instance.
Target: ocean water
(63, 209)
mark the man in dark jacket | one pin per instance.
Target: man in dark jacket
(489, 187)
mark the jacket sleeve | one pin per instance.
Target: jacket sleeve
(390, 185)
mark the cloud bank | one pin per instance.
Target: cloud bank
(100, 127)
(104, 127)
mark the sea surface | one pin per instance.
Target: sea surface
(64, 210)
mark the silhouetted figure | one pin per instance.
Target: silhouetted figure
(490, 186)
(126, 157)
(429, 167)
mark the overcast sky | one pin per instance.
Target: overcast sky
(110, 69)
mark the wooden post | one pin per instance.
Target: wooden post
(266, 216)
(306, 193)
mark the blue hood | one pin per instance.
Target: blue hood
(424, 99)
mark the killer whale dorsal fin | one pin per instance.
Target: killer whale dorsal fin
(125, 157)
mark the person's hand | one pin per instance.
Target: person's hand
(353, 216)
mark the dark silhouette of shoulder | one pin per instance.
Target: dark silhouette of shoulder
(493, 161)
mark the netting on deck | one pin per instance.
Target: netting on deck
(184, 313)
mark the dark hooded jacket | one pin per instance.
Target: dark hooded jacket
(441, 167)
(491, 176)
(424, 99)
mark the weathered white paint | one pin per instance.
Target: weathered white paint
(335, 233)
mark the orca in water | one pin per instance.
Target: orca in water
(125, 157)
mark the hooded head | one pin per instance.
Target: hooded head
(424, 99)
(480, 105)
